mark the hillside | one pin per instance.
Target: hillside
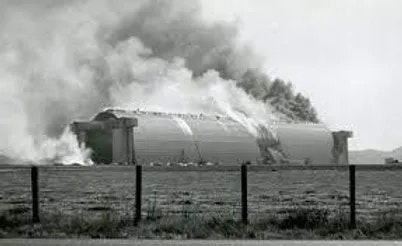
(371, 156)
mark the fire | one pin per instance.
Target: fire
(83, 56)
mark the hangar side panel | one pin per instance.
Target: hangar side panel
(159, 139)
(226, 142)
(301, 141)
(162, 139)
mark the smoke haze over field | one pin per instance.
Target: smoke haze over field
(345, 55)
(68, 60)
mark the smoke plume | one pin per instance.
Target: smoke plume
(66, 60)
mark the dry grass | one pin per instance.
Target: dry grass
(298, 223)
(99, 202)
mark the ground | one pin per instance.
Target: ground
(95, 191)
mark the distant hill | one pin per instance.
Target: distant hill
(4, 160)
(372, 156)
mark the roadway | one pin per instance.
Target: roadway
(90, 242)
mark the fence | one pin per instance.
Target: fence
(134, 194)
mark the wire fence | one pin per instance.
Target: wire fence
(191, 192)
(379, 193)
(201, 191)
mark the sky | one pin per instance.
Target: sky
(344, 54)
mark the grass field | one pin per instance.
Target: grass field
(93, 192)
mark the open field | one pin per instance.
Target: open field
(112, 189)
(92, 192)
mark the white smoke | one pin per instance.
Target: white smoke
(82, 56)
(64, 149)
(183, 126)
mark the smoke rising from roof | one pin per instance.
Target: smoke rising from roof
(82, 56)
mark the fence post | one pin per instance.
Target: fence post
(244, 194)
(138, 189)
(35, 196)
(352, 191)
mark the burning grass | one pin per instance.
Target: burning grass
(296, 223)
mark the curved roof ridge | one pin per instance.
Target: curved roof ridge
(119, 112)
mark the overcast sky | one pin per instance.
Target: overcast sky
(345, 55)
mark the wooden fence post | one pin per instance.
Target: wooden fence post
(35, 196)
(244, 194)
(138, 190)
(352, 191)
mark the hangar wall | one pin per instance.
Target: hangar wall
(172, 138)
